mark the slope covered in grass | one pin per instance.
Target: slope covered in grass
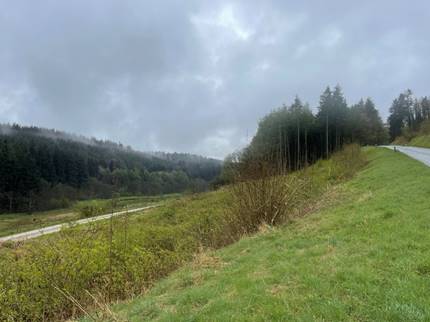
(365, 259)
(421, 141)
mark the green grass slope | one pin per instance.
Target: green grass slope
(365, 259)
(421, 141)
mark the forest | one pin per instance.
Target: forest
(409, 115)
(44, 169)
(292, 137)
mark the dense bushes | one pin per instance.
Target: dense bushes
(111, 260)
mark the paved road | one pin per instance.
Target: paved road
(56, 228)
(420, 154)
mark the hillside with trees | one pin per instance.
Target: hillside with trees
(46, 169)
(409, 120)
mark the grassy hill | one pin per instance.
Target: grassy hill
(420, 138)
(364, 259)
(421, 141)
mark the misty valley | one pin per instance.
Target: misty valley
(214, 161)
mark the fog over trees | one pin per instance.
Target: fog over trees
(45, 169)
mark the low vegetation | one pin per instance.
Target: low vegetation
(422, 141)
(364, 258)
(263, 196)
(41, 279)
(65, 275)
(21, 222)
(419, 138)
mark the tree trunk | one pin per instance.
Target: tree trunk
(326, 135)
(306, 147)
(30, 203)
(298, 145)
(10, 197)
(280, 159)
(336, 139)
(288, 153)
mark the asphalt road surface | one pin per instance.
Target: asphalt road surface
(420, 154)
(56, 228)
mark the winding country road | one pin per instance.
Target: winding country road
(56, 228)
(420, 154)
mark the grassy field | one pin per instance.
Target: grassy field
(21, 222)
(365, 259)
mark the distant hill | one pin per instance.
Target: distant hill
(45, 168)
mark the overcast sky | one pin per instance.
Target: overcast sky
(196, 76)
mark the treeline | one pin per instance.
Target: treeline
(293, 136)
(45, 169)
(408, 115)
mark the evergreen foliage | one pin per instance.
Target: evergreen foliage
(408, 115)
(45, 169)
(292, 137)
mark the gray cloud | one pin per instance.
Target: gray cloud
(196, 76)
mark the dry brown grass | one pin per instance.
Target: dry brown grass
(205, 259)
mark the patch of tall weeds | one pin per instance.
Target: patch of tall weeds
(263, 196)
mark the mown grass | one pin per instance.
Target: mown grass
(364, 259)
(21, 222)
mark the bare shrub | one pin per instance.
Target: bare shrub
(263, 195)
